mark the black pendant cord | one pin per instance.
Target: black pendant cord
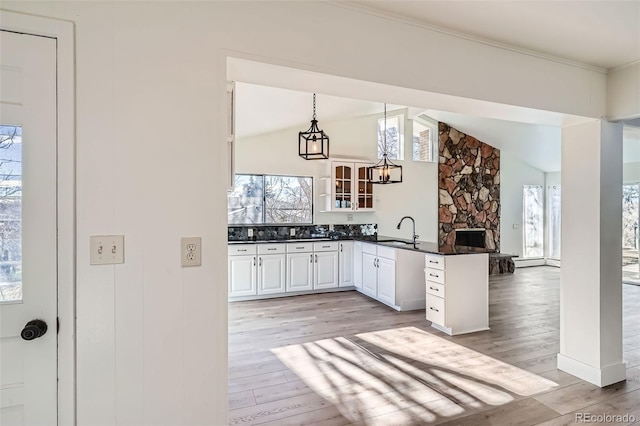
(314, 107)
(384, 153)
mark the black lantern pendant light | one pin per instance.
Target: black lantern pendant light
(385, 171)
(314, 143)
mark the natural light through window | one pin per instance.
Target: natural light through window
(533, 220)
(406, 376)
(423, 141)
(554, 221)
(394, 139)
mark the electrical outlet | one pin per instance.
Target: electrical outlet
(106, 249)
(250, 232)
(191, 251)
(292, 232)
(331, 227)
(349, 217)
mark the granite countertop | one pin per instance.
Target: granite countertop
(399, 243)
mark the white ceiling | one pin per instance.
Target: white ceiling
(602, 33)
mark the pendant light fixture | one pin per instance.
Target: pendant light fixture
(314, 143)
(384, 171)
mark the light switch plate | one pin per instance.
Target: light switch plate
(250, 232)
(106, 249)
(292, 232)
(191, 251)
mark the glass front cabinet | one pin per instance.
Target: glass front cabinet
(347, 188)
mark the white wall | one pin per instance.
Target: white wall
(151, 336)
(513, 175)
(623, 92)
(417, 196)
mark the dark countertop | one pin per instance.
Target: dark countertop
(399, 243)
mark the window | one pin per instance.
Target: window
(394, 137)
(554, 221)
(630, 206)
(533, 221)
(268, 199)
(423, 141)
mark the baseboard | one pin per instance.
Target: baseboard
(524, 263)
(602, 377)
(553, 262)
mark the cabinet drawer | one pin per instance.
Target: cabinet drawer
(299, 247)
(271, 248)
(436, 275)
(436, 289)
(435, 309)
(434, 261)
(326, 246)
(241, 249)
(387, 252)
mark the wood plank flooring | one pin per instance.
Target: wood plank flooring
(344, 359)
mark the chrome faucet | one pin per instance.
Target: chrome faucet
(415, 237)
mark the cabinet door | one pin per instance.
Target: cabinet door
(363, 189)
(271, 271)
(387, 280)
(343, 186)
(346, 264)
(300, 271)
(242, 276)
(326, 269)
(369, 275)
(357, 265)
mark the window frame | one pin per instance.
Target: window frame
(401, 125)
(549, 208)
(524, 223)
(264, 207)
(433, 126)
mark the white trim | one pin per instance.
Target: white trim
(604, 376)
(553, 262)
(63, 32)
(524, 263)
(630, 64)
(394, 17)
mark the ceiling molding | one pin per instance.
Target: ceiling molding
(620, 67)
(393, 17)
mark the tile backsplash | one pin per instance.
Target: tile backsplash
(266, 232)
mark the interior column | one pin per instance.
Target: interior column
(591, 273)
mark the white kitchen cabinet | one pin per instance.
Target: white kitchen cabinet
(346, 188)
(457, 292)
(345, 264)
(271, 273)
(242, 275)
(325, 269)
(300, 271)
(387, 281)
(357, 265)
(393, 276)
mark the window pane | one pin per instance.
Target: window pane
(288, 199)
(245, 204)
(422, 147)
(533, 222)
(630, 197)
(394, 138)
(10, 213)
(554, 222)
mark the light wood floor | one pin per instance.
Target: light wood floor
(342, 358)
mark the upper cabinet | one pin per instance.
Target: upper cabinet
(346, 188)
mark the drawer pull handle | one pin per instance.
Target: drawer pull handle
(434, 309)
(299, 248)
(271, 249)
(242, 249)
(434, 289)
(433, 261)
(326, 246)
(433, 275)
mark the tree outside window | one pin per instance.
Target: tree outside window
(394, 137)
(532, 196)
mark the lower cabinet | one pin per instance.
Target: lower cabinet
(345, 264)
(300, 272)
(242, 276)
(357, 265)
(393, 277)
(326, 270)
(271, 273)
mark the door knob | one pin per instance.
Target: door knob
(34, 329)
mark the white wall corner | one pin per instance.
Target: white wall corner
(623, 92)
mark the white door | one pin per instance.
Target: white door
(271, 271)
(387, 281)
(369, 275)
(300, 272)
(28, 358)
(326, 269)
(242, 276)
(346, 264)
